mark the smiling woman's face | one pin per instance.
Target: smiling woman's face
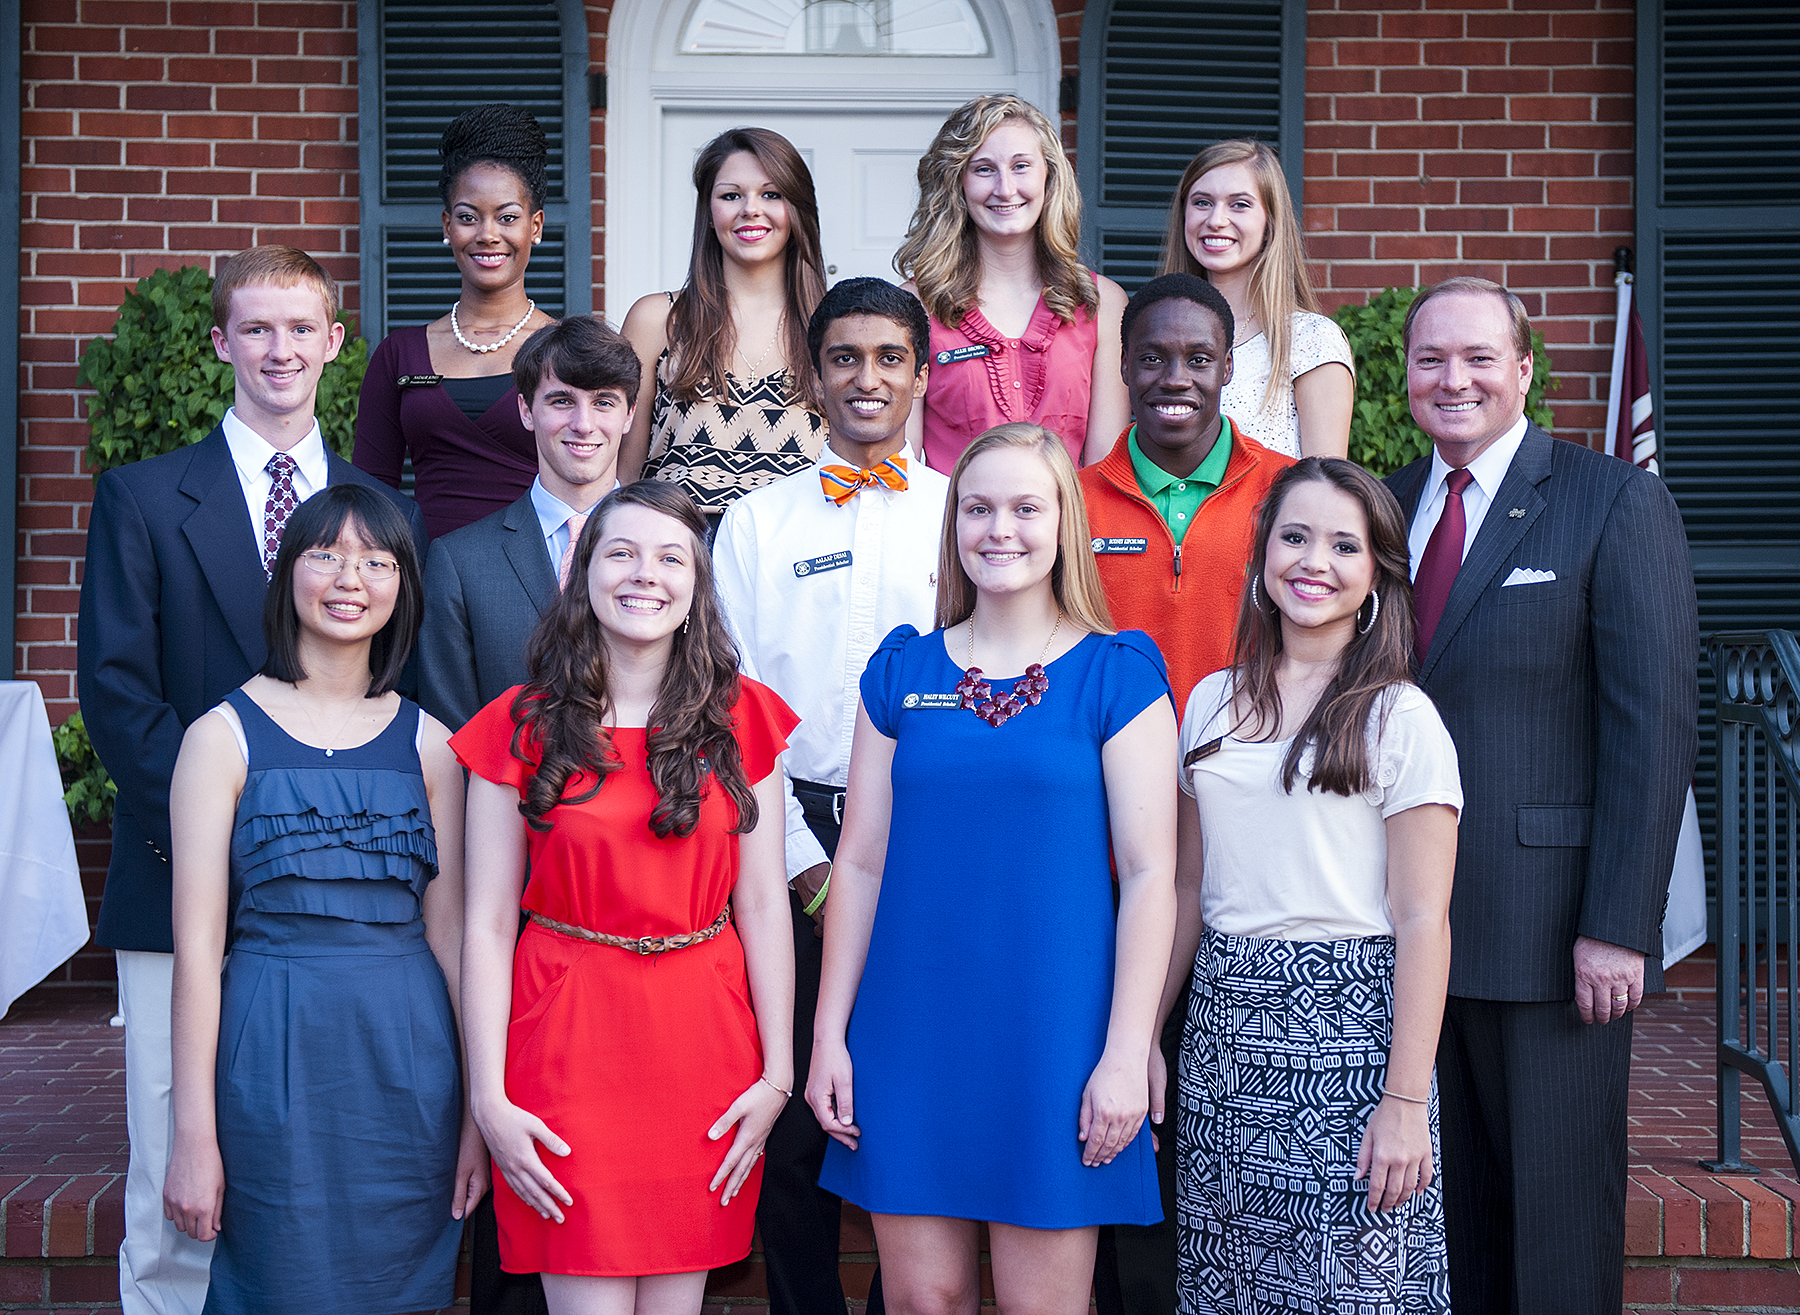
(749, 214)
(1007, 520)
(641, 576)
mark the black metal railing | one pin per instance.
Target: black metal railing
(1758, 707)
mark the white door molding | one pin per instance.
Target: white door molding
(646, 77)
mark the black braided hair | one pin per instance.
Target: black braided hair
(495, 134)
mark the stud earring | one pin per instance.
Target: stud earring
(1374, 611)
(446, 241)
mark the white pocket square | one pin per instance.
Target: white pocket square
(1523, 575)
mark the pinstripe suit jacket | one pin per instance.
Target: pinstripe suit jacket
(1573, 704)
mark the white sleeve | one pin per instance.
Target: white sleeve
(1416, 763)
(734, 580)
(1209, 699)
(803, 847)
(1316, 340)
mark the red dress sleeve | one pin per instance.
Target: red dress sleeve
(761, 722)
(484, 745)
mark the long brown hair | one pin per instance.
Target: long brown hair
(1075, 579)
(1337, 727)
(940, 254)
(1280, 283)
(563, 708)
(701, 334)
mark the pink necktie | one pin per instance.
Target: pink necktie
(281, 504)
(573, 526)
(1440, 561)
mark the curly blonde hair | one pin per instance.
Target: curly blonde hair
(940, 254)
(1280, 283)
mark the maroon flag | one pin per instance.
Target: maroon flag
(1630, 414)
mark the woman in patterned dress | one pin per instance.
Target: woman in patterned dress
(728, 401)
(1232, 223)
(1313, 885)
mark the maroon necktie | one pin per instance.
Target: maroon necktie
(1440, 561)
(280, 506)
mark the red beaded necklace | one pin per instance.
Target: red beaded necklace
(977, 695)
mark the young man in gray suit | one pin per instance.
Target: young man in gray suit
(1558, 636)
(487, 583)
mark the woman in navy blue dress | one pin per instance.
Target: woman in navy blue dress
(320, 1129)
(985, 1020)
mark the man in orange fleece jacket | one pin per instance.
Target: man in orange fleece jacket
(1171, 509)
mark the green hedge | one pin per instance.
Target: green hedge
(88, 791)
(1383, 436)
(159, 385)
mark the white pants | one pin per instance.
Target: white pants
(162, 1271)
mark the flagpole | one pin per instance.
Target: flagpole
(1622, 281)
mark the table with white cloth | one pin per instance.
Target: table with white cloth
(43, 917)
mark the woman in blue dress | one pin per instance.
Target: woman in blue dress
(985, 1020)
(320, 1129)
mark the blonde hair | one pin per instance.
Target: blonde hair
(1075, 579)
(940, 254)
(285, 267)
(1279, 281)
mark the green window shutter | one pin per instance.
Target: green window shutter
(1718, 286)
(1159, 80)
(421, 64)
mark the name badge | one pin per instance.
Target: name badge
(419, 380)
(934, 699)
(969, 353)
(1206, 750)
(835, 561)
(1121, 545)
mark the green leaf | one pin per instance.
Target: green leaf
(88, 792)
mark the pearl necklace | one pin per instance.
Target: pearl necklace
(455, 328)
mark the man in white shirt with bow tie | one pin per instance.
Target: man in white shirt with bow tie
(814, 570)
(1557, 634)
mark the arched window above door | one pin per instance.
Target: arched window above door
(833, 27)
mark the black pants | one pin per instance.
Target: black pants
(1134, 1268)
(798, 1219)
(492, 1291)
(1533, 1118)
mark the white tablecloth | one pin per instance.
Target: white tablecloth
(43, 918)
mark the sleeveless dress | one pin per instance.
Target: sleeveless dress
(630, 1058)
(984, 1002)
(1043, 376)
(339, 1094)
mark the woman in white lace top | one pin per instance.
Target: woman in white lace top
(1232, 222)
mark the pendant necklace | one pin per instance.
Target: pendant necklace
(335, 734)
(455, 328)
(751, 376)
(977, 695)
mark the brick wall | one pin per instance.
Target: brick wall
(1456, 137)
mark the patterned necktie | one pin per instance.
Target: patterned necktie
(573, 526)
(1440, 562)
(281, 504)
(841, 483)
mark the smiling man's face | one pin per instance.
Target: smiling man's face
(1175, 364)
(1465, 379)
(870, 380)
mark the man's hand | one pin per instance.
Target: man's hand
(806, 886)
(1609, 980)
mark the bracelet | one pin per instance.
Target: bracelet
(1410, 1100)
(818, 901)
(788, 1094)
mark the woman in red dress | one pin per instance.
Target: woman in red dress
(639, 1033)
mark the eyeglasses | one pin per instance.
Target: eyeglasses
(329, 563)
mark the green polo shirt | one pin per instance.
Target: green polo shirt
(1176, 498)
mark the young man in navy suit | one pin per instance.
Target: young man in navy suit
(1558, 637)
(178, 554)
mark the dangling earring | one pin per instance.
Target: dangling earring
(1374, 611)
(1255, 598)
(684, 622)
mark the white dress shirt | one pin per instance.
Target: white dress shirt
(1488, 470)
(250, 453)
(810, 589)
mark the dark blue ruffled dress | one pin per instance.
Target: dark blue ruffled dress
(339, 1092)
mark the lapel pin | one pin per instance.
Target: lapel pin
(1516, 513)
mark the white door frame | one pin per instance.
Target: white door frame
(645, 75)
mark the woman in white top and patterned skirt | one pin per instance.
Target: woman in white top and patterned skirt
(1313, 886)
(1292, 385)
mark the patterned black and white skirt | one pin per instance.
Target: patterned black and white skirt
(1281, 1069)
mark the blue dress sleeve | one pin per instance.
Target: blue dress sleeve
(882, 677)
(1134, 677)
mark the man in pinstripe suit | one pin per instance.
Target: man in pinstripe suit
(1558, 637)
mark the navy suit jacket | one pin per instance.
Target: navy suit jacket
(171, 622)
(486, 585)
(1573, 703)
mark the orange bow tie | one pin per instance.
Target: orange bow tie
(841, 483)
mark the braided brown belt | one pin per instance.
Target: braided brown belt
(638, 944)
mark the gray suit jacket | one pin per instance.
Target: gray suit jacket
(485, 587)
(1573, 703)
